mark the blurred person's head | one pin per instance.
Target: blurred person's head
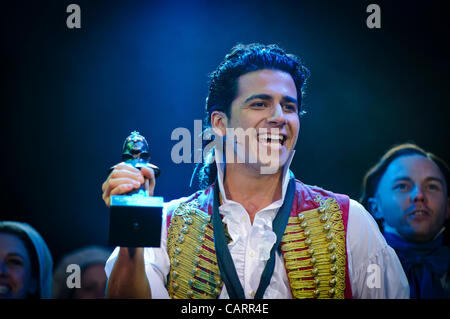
(407, 192)
(91, 261)
(25, 262)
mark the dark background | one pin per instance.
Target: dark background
(71, 96)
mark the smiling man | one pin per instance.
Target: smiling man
(251, 232)
(407, 192)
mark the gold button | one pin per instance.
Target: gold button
(332, 282)
(317, 282)
(180, 239)
(329, 237)
(185, 229)
(333, 258)
(252, 293)
(333, 270)
(175, 286)
(313, 261)
(316, 293)
(315, 271)
(189, 293)
(217, 291)
(301, 217)
(331, 248)
(331, 292)
(174, 274)
(308, 242)
(177, 250)
(326, 228)
(303, 225)
(323, 218)
(307, 233)
(321, 210)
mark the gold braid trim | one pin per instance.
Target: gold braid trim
(194, 272)
(313, 249)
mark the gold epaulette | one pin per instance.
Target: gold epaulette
(194, 272)
(313, 248)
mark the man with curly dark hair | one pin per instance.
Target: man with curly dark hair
(255, 231)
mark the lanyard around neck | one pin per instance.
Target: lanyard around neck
(226, 265)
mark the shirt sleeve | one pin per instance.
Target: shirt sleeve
(374, 268)
(157, 263)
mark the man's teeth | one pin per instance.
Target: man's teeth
(419, 213)
(4, 289)
(271, 138)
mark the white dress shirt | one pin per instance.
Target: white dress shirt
(251, 244)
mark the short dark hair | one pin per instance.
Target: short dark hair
(243, 59)
(374, 174)
(223, 83)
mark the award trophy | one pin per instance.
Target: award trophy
(136, 218)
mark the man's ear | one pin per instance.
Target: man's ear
(219, 122)
(374, 208)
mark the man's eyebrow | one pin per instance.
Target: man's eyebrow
(286, 98)
(437, 179)
(402, 178)
(258, 96)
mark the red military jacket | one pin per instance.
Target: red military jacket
(313, 246)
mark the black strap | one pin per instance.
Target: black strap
(226, 265)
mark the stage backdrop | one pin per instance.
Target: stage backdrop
(71, 96)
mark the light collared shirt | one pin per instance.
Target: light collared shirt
(374, 268)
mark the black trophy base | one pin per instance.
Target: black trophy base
(135, 221)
